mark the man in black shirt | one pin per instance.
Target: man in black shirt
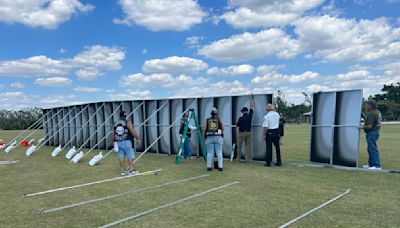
(244, 125)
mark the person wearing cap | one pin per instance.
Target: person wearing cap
(271, 135)
(244, 125)
(214, 128)
(371, 127)
(123, 134)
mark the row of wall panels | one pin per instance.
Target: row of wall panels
(89, 125)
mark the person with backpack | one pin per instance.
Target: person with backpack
(187, 148)
(214, 128)
(123, 135)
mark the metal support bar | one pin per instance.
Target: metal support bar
(91, 183)
(35, 124)
(120, 194)
(172, 124)
(109, 133)
(79, 131)
(58, 131)
(169, 204)
(315, 209)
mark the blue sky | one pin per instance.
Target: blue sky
(61, 52)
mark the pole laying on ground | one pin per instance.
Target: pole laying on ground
(58, 130)
(80, 129)
(34, 125)
(91, 183)
(315, 209)
(169, 205)
(147, 119)
(120, 194)
(165, 131)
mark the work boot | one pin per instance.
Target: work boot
(208, 169)
(220, 169)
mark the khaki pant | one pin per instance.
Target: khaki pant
(244, 137)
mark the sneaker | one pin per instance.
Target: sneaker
(365, 166)
(208, 169)
(268, 164)
(123, 173)
(220, 169)
(375, 168)
(133, 172)
(193, 157)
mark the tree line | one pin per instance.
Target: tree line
(19, 120)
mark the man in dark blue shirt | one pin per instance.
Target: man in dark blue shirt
(244, 125)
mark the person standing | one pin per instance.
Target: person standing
(123, 134)
(282, 124)
(187, 148)
(271, 135)
(244, 125)
(372, 125)
(214, 128)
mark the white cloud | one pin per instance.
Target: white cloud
(174, 65)
(262, 13)
(277, 78)
(57, 100)
(144, 51)
(250, 46)
(358, 74)
(160, 80)
(48, 14)
(166, 15)
(194, 41)
(233, 70)
(62, 51)
(53, 81)
(14, 100)
(265, 69)
(99, 56)
(316, 88)
(87, 89)
(339, 39)
(87, 73)
(130, 95)
(213, 89)
(88, 64)
(17, 85)
(33, 66)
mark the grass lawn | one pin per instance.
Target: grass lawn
(265, 197)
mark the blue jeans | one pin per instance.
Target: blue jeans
(214, 144)
(187, 148)
(125, 148)
(372, 148)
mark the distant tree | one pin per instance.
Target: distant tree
(389, 101)
(292, 111)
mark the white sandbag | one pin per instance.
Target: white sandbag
(9, 148)
(56, 151)
(41, 140)
(77, 158)
(31, 141)
(70, 153)
(30, 150)
(13, 143)
(96, 159)
(116, 149)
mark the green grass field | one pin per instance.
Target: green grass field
(265, 197)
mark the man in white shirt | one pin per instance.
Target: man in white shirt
(271, 135)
